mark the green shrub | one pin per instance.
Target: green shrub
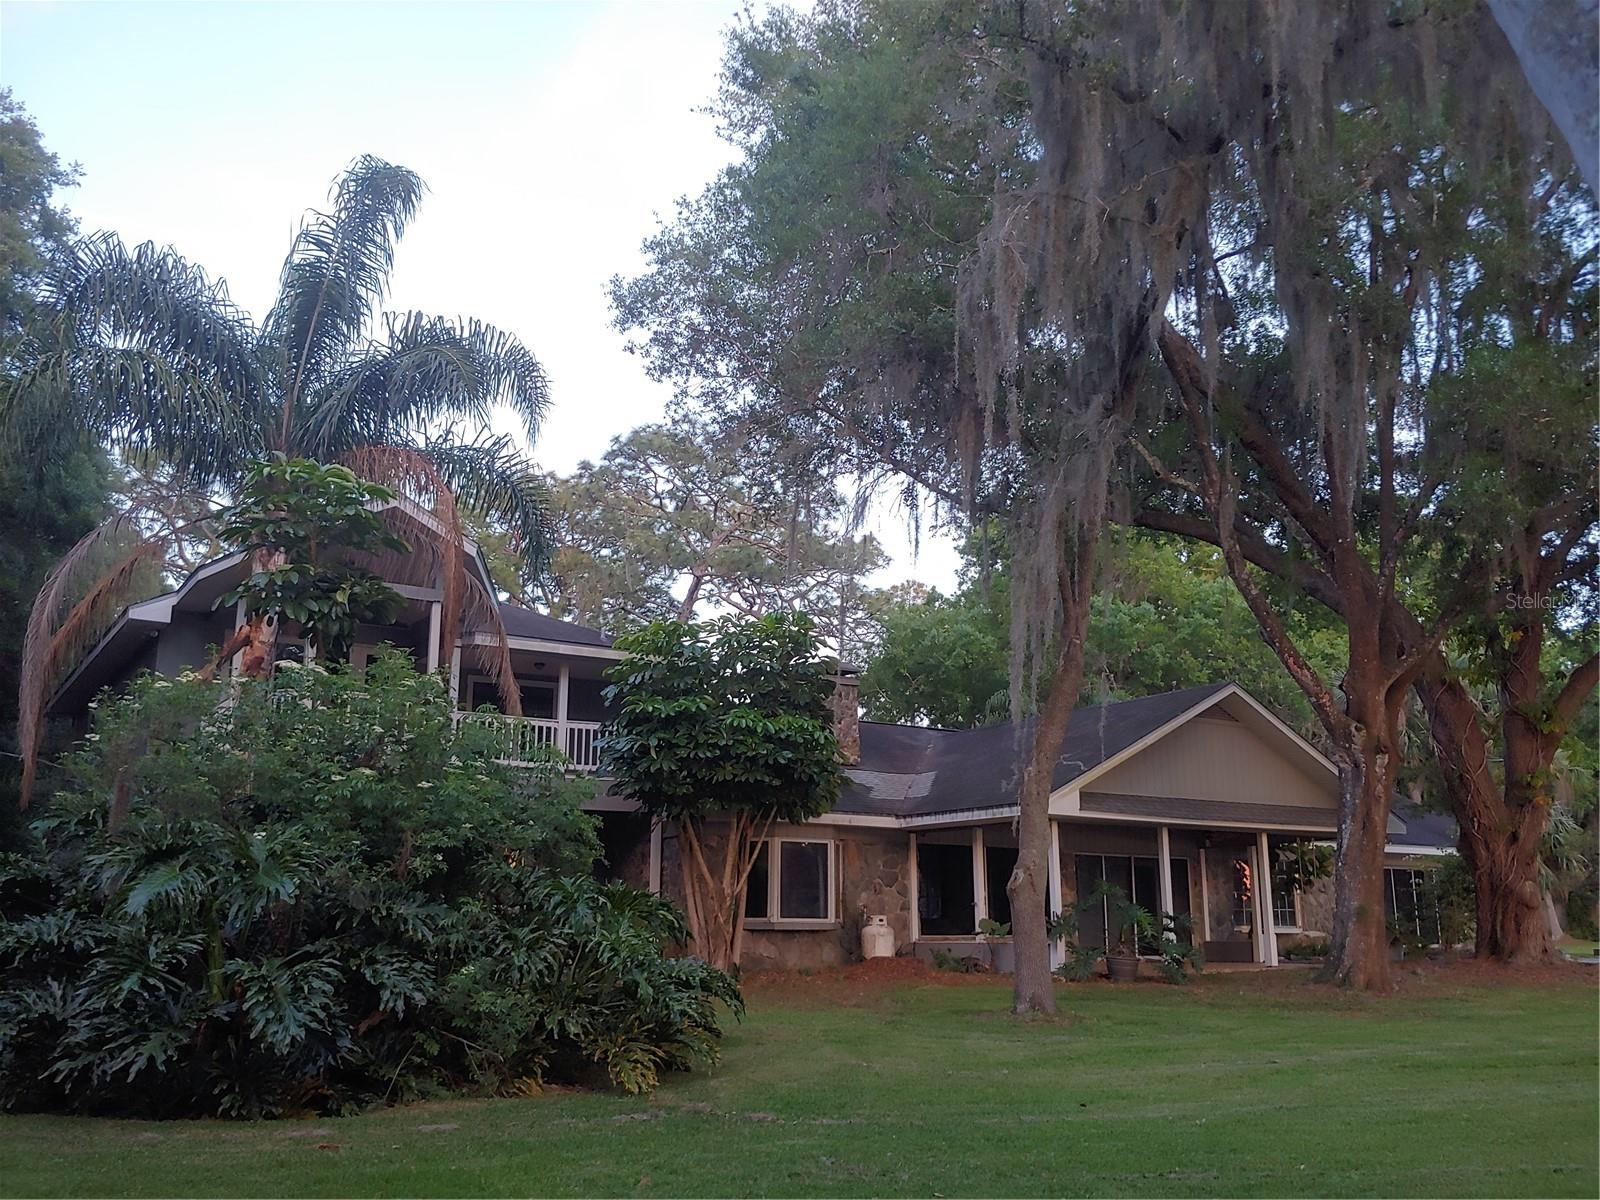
(1082, 963)
(1305, 948)
(1449, 890)
(943, 960)
(320, 893)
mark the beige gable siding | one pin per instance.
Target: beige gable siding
(1222, 760)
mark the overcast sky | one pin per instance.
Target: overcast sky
(550, 136)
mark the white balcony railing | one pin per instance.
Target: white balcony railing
(527, 739)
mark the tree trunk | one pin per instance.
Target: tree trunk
(1358, 955)
(707, 907)
(1552, 918)
(261, 641)
(1033, 984)
(1510, 902)
(1462, 753)
(715, 871)
(1502, 823)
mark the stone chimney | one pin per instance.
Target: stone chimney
(846, 705)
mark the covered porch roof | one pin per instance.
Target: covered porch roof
(1210, 756)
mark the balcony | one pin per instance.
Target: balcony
(527, 739)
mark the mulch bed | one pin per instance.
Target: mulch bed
(1555, 973)
(865, 982)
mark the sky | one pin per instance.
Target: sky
(551, 137)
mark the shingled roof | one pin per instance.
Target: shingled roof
(525, 623)
(1421, 829)
(908, 770)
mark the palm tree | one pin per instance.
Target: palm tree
(146, 354)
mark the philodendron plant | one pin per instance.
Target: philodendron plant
(1132, 930)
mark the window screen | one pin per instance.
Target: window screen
(755, 891)
(803, 881)
(1283, 913)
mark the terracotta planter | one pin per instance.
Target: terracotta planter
(1123, 967)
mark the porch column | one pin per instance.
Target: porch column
(912, 884)
(980, 879)
(655, 857)
(561, 709)
(434, 617)
(1264, 857)
(455, 676)
(1053, 878)
(1205, 899)
(1257, 945)
(1164, 872)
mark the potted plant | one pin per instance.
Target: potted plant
(1002, 950)
(1128, 925)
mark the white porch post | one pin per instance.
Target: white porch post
(1053, 877)
(455, 676)
(1259, 946)
(1164, 872)
(980, 879)
(912, 884)
(561, 709)
(434, 617)
(655, 857)
(1205, 899)
(1264, 857)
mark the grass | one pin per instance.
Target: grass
(1236, 1086)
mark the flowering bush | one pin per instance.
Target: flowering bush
(320, 893)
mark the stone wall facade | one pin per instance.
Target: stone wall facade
(871, 878)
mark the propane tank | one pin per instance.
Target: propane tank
(877, 939)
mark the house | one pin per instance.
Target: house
(1180, 799)
(559, 665)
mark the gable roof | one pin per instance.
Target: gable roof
(910, 771)
(525, 623)
(1422, 831)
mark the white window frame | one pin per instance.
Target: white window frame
(773, 920)
(1299, 918)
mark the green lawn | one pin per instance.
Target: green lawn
(1236, 1086)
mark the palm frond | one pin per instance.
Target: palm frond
(141, 402)
(77, 601)
(493, 477)
(140, 349)
(336, 273)
(414, 474)
(426, 369)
